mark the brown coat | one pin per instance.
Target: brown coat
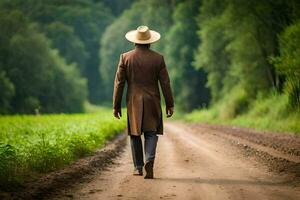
(142, 69)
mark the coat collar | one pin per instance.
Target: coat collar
(140, 47)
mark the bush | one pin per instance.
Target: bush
(8, 163)
(288, 63)
(267, 112)
(234, 103)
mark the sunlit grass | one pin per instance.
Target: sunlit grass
(37, 144)
(269, 113)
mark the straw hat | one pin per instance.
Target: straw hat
(142, 35)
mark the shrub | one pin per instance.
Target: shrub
(288, 63)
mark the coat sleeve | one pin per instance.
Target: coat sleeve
(165, 85)
(119, 84)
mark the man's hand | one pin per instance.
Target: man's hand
(117, 113)
(170, 111)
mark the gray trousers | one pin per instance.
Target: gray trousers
(150, 139)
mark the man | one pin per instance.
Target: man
(142, 69)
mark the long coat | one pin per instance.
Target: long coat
(142, 69)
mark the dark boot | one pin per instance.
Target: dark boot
(149, 170)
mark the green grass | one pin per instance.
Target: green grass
(269, 113)
(30, 145)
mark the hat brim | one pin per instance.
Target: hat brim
(131, 36)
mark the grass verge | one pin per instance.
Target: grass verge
(269, 113)
(31, 145)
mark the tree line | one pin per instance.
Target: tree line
(55, 55)
(217, 51)
(49, 53)
(246, 48)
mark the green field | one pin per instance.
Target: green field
(30, 145)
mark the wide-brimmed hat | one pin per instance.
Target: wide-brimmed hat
(142, 35)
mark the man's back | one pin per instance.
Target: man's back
(142, 69)
(142, 72)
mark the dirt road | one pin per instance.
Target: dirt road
(202, 162)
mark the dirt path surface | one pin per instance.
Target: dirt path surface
(200, 162)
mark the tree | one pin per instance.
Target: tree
(211, 55)
(32, 73)
(288, 63)
(238, 38)
(66, 89)
(63, 38)
(182, 40)
(80, 23)
(116, 6)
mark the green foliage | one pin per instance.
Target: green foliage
(7, 165)
(34, 76)
(117, 6)
(188, 84)
(7, 91)
(233, 104)
(207, 115)
(226, 28)
(68, 93)
(288, 63)
(238, 38)
(72, 27)
(211, 55)
(47, 47)
(274, 104)
(35, 144)
(89, 21)
(269, 113)
(70, 46)
(257, 30)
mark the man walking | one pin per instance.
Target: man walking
(142, 69)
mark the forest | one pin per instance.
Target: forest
(231, 62)
(226, 58)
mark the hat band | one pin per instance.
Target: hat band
(143, 35)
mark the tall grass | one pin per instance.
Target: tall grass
(270, 113)
(36, 144)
